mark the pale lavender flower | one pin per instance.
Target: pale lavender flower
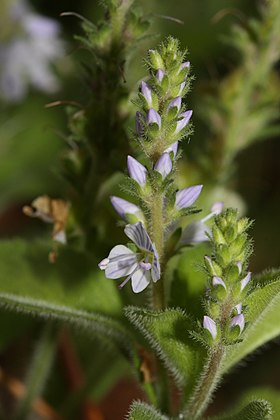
(185, 118)
(153, 117)
(136, 171)
(245, 281)
(210, 326)
(124, 208)
(147, 93)
(173, 148)
(186, 197)
(164, 165)
(26, 58)
(140, 267)
(197, 232)
(217, 281)
(239, 321)
(238, 308)
(139, 125)
(175, 103)
(160, 75)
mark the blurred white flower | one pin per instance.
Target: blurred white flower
(27, 57)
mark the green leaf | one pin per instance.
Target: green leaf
(168, 334)
(72, 290)
(255, 410)
(142, 411)
(263, 316)
(29, 149)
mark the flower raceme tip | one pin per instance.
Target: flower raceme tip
(140, 267)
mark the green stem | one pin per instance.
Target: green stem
(157, 234)
(206, 385)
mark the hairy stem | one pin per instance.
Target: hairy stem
(157, 231)
(206, 385)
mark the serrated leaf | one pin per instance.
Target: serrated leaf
(255, 410)
(142, 411)
(72, 290)
(168, 334)
(263, 316)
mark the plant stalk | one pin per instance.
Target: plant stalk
(206, 385)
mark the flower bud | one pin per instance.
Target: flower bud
(153, 117)
(164, 165)
(160, 75)
(173, 148)
(238, 321)
(212, 267)
(210, 326)
(136, 171)
(244, 282)
(147, 93)
(125, 208)
(220, 289)
(186, 116)
(156, 60)
(187, 197)
(175, 103)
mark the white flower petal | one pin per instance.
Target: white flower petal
(140, 280)
(122, 262)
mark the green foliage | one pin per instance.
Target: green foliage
(263, 318)
(29, 149)
(142, 411)
(255, 410)
(168, 333)
(243, 107)
(72, 290)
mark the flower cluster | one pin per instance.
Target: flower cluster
(228, 277)
(161, 122)
(26, 55)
